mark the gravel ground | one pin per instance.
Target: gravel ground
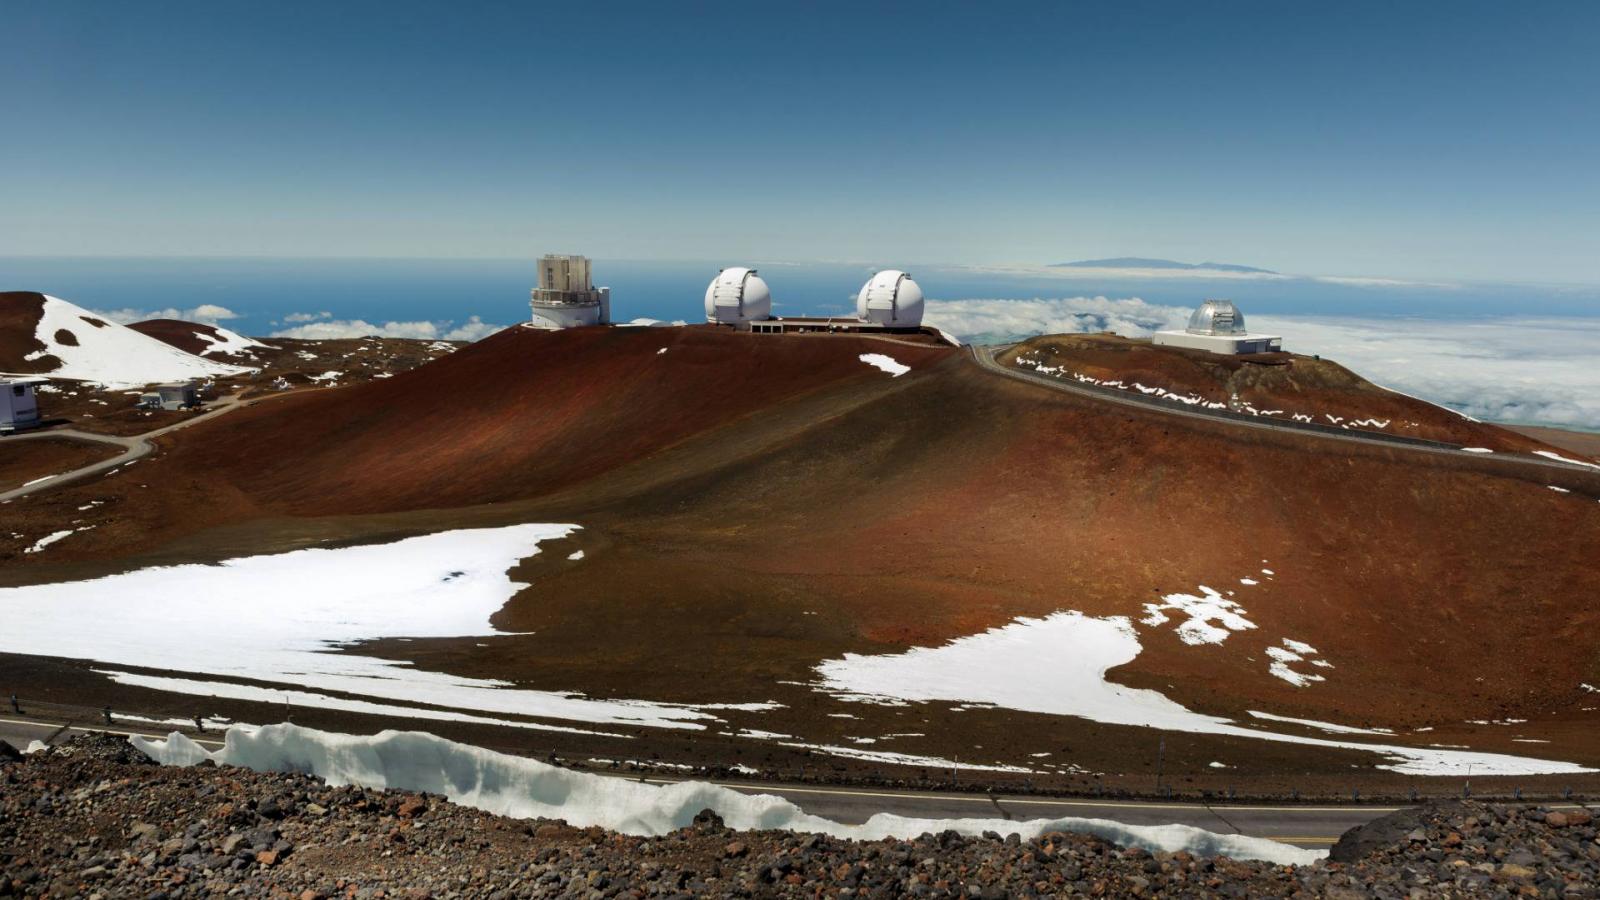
(94, 818)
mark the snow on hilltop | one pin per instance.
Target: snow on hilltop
(86, 347)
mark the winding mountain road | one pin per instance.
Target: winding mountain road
(984, 356)
(133, 447)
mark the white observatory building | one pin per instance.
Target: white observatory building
(891, 299)
(19, 407)
(737, 297)
(1218, 326)
(566, 296)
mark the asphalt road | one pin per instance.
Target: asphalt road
(1305, 826)
(984, 356)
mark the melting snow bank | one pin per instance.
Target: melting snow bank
(526, 788)
(1057, 665)
(278, 619)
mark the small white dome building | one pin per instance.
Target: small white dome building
(738, 296)
(1218, 326)
(890, 298)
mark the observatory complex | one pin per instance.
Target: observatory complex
(890, 301)
(1218, 326)
(566, 296)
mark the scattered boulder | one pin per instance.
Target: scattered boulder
(1406, 826)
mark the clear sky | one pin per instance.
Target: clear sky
(1457, 139)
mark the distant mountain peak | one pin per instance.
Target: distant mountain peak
(1141, 262)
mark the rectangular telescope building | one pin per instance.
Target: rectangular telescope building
(566, 296)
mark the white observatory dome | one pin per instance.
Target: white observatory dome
(890, 298)
(738, 295)
(1216, 317)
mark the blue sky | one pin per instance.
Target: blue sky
(1401, 139)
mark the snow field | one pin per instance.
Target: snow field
(526, 788)
(278, 618)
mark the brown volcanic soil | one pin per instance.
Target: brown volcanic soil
(19, 318)
(753, 505)
(23, 461)
(1585, 444)
(525, 412)
(1286, 382)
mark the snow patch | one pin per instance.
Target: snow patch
(887, 363)
(1211, 616)
(227, 342)
(49, 539)
(1323, 726)
(1559, 458)
(1057, 665)
(1292, 652)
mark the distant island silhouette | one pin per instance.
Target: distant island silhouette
(1140, 262)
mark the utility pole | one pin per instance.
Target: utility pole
(1161, 758)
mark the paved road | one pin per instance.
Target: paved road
(985, 357)
(1306, 826)
(134, 447)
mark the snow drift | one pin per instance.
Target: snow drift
(526, 788)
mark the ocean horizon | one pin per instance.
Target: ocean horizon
(1512, 352)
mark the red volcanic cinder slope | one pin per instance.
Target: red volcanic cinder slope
(190, 337)
(518, 414)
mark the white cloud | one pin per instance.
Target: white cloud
(297, 317)
(473, 329)
(1359, 281)
(1504, 369)
(355, 328)
(1090, 273)
(206, 313)
(987, 321)
(333, 329)
(1535, 370)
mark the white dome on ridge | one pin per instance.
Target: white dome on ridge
(1217, 317)
(890, 298)
(738, 295)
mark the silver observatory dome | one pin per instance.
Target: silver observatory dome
(1217, 317)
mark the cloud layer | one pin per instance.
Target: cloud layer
(206, 313)
(319, 327)
(1531, 370)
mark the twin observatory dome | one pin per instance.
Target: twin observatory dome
(739, 297)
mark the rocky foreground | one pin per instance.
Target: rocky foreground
(94, 818)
